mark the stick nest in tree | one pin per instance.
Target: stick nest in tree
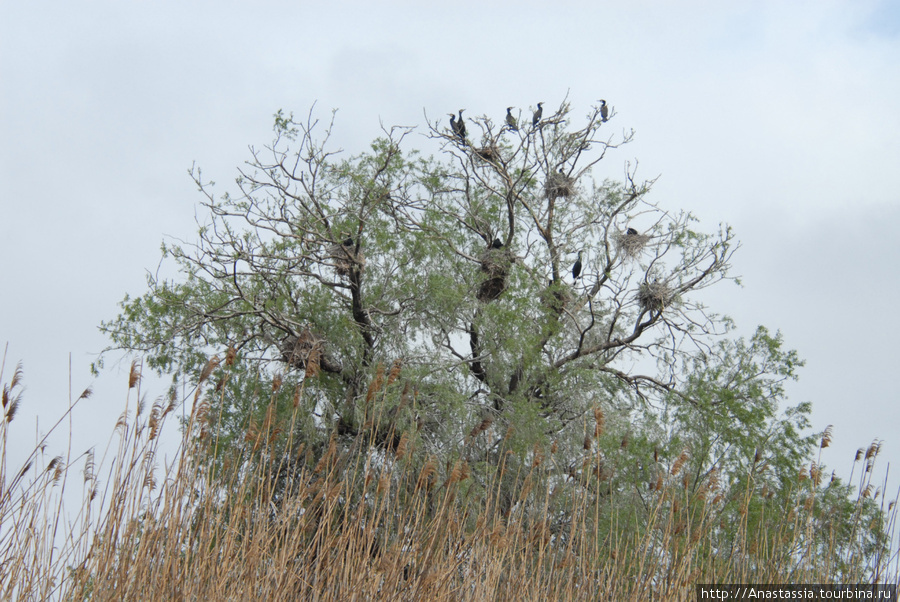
(303, 351)
(632, 243)
(488, 153)
(495, 263)
(344, 258)
(559, 185)
(654, 296)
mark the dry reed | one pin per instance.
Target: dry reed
(384, 526)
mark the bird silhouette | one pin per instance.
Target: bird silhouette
(510, 120)
(454, 127)
(537, 115)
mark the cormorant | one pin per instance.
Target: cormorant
(348, 242)
(631, 232)
(537, 115)
(604, 111)
(510, 120)
(453, 125)
(461, 126)
(497, 244)
(576, 269)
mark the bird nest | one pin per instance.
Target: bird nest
(559, 185)
(488, 153)
(655, 296)
(495, 263)
(299, 351)
(344, 259)
(491, 288)
(632, 242)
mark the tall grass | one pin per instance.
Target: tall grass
(271, 518)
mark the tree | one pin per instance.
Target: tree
(442, 289)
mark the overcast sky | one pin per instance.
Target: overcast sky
(780, 118)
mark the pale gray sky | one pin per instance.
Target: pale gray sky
(780, 118)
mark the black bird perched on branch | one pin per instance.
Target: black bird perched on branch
(461, 127)
(348, 242)
(454, 127)
(537, 115)
(604, 111)
(497, 244)
(458, 127)
(576, 269)
(510, 120)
